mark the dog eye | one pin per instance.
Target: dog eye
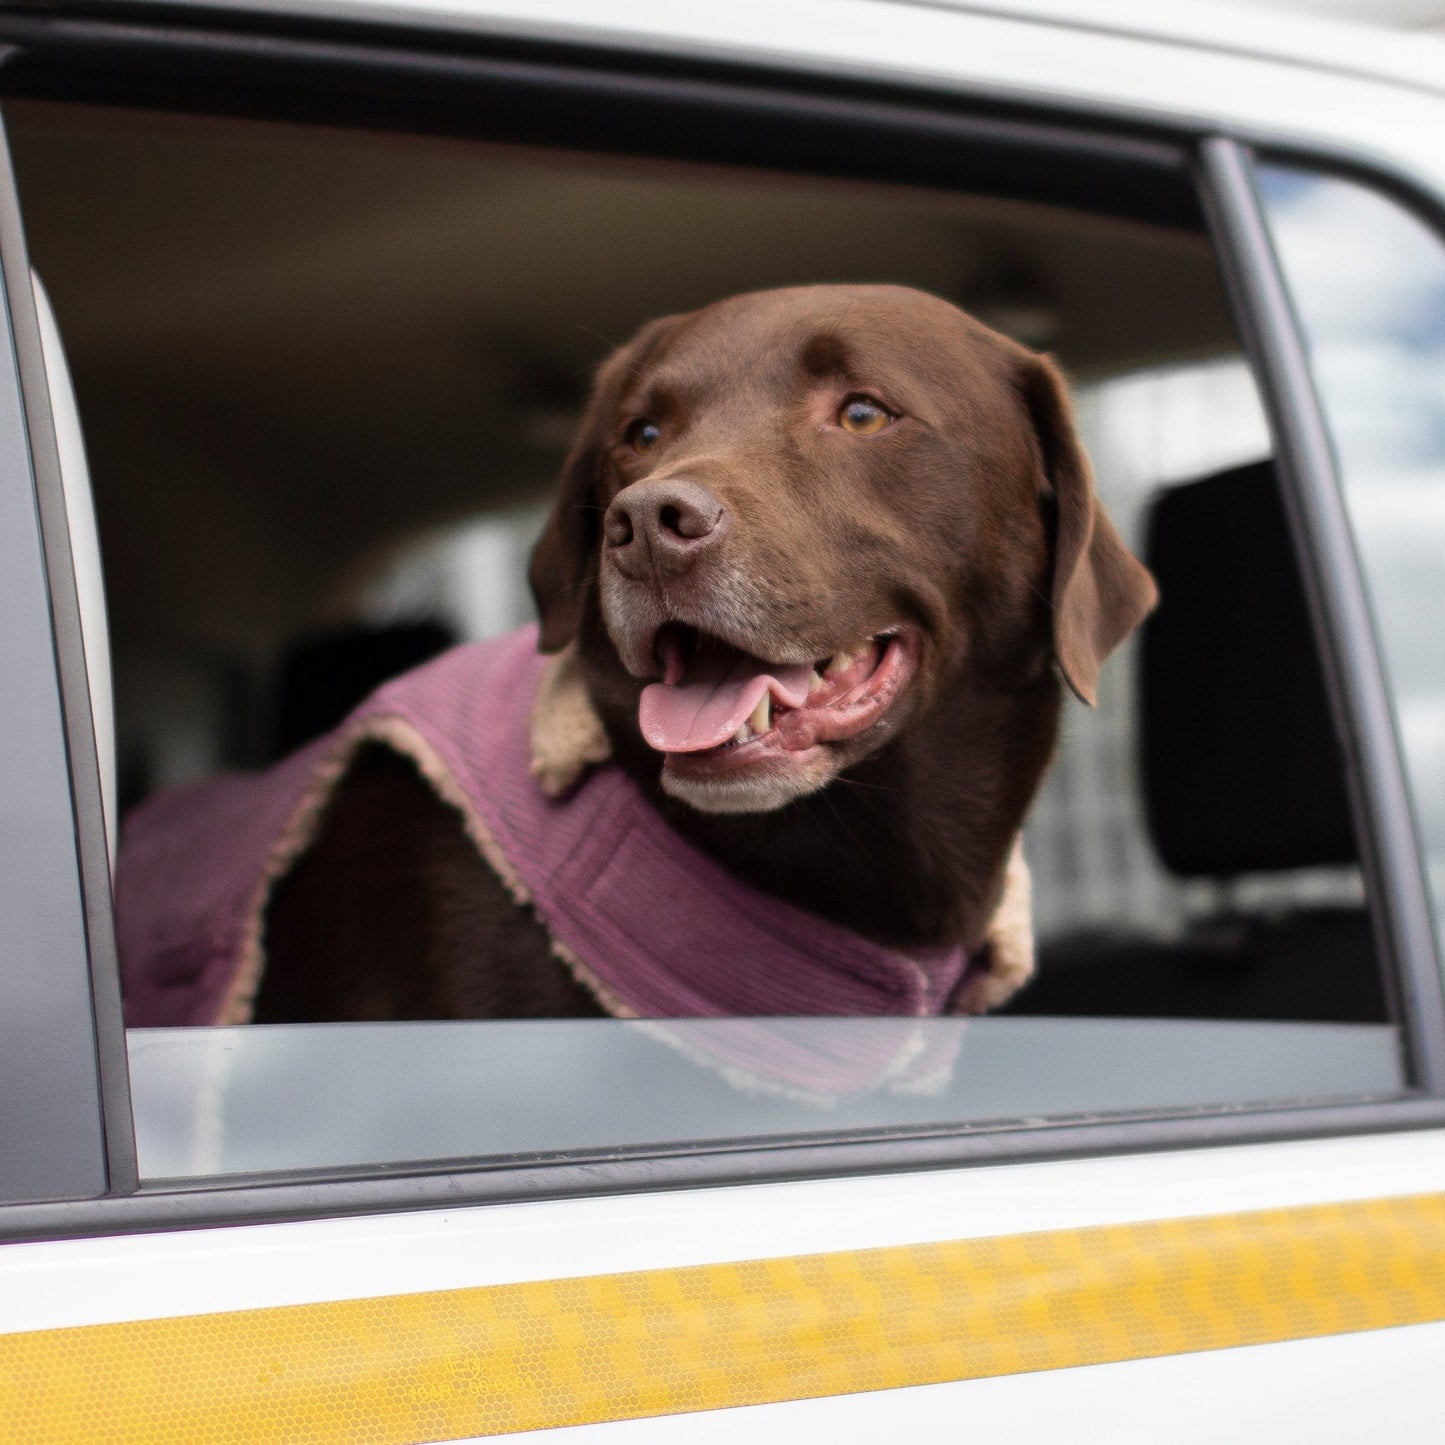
(642, 435)
(863, 416)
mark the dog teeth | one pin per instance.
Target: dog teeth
(762, 715)
(742, 734)
(815, 682)
(840, 662)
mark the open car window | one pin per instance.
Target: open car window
(327, 378)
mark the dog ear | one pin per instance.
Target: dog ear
(566, 551)
(1101, 591)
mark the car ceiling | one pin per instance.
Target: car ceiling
(295, 346)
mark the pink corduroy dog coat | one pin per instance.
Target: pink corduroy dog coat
(653, 927)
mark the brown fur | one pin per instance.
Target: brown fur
(392, 914)
(567, 735)
(971, 520)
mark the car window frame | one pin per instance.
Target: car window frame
(1221, 165)
(1337, 595)
(53, 873)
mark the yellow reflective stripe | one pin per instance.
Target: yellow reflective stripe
(454, 1363)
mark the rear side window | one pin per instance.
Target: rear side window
(1367, 275)
(328, 379)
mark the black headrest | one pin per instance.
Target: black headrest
(323, 677)
(1242, 770)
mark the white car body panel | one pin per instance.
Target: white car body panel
(1388, 111)
(1335, 1391)
(1326, 89)
(1325, 1389)
(99, 1281)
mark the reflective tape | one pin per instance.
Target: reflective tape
(455, 1363)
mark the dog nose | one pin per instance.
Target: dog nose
(662, 527)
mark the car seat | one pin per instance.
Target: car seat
(323, 676)
(1241, 774)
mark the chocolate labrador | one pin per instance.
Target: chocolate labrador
(819, 565)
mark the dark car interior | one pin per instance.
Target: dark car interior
(1242, 775)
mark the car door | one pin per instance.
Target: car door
(1210, 1207)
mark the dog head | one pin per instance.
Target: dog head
(793, 519)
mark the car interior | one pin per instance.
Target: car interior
(326, 375)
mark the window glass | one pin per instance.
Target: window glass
(1367, 276)
(328, 380)
(225, 1100)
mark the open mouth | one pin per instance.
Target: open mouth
(716, 701)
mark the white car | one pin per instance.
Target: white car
(279, 275)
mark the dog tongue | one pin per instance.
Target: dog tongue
(714, 699)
